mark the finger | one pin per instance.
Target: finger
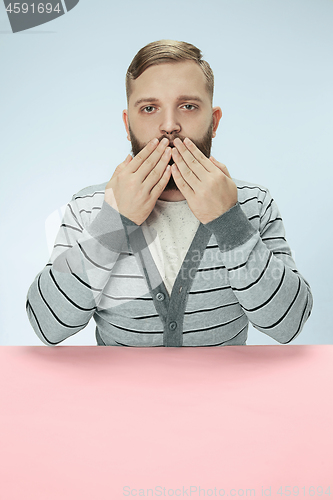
(150, 163)
(221, 166)
(156, 172)
(188, 173)
(161, 184)
(180, 182)
(143, 155)
(197, 168)
(123, 164)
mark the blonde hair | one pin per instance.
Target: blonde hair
(164, 51)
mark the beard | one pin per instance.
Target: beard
(204, 144)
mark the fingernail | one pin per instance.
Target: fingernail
(164, 141)
(154, 141)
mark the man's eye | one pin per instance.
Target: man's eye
(148, 109)
(189, 106)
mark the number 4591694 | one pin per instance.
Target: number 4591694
(24, 8)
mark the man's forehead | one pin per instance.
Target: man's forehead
(176, 79)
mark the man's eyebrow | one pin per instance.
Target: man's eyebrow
(145, 99)
(189, 98)
(180, 98)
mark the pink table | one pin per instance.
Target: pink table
(107, 423)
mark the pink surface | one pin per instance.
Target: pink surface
(106, 422)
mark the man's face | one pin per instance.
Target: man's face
(171, 100)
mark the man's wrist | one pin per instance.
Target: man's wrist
(108, 228)
(231, 229)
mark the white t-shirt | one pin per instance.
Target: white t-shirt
(169, 231)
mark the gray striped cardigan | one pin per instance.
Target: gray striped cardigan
(238, 269)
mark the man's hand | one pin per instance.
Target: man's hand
(138, 182)
(205, 183)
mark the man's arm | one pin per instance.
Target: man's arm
(66, 293)
(263, 276)
(262, 273)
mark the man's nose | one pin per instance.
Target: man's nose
(169, 123)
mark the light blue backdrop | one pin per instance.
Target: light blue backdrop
(63, 92)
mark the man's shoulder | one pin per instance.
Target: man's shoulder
(248, 189)
(249, 185)
(88, 200)
(90, 191)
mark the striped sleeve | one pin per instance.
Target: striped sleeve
(66, 293)
(262, 273)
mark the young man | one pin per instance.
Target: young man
(171, 251)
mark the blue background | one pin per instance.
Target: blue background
(62, 92)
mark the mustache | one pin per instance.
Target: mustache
(171, 139)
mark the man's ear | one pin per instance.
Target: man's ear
(217, 115)
(125, 120)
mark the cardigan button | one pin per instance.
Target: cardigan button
(160, 296)
(173, 325)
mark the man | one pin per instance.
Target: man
(171, 251)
